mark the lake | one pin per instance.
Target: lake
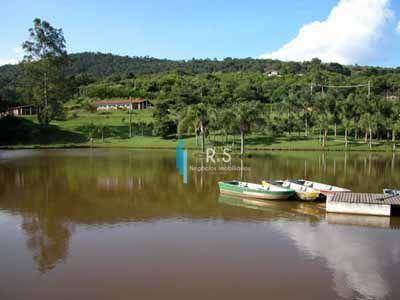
(122, 224)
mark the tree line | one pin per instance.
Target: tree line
(200, 96)
(281, 104)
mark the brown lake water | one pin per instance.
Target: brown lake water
(121, 224)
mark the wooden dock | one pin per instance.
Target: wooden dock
(363, 204)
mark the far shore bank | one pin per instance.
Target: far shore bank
(26, 133)
(249, 151)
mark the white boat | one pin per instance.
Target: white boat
(302, 192)
(322, 188)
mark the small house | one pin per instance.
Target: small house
(272, 73)
(129, 104)
(23, 110)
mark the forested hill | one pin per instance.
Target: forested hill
(103, 65)
(88, 67)
(100, 65)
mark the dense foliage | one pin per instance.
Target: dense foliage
(287, 103)
(199, 96)
(85, 68)
(42, 77)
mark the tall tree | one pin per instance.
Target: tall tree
(196, 117)
(227, 121)
(367, 122)
(247, 114)
(42, 69)
(347, 124)
(202, 120)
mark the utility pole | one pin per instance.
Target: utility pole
(45, 88)
(130, 117)
(369, 89)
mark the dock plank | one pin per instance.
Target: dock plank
(365, 198)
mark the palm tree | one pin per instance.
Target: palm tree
(366, 123)
(372, 122)
(101, 128)
(226, 119)
(347, 125)
(394, 122)
(198, 116)
(323, 121)
(247, 113)
(395, 130)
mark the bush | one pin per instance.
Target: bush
(90, 107)
(74, 115)
(104, 112)
(60, 116)
(16, 130)
(165, 128)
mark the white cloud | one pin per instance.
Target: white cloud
(349, 35)
(398, 27)
(8, 61)
(18, 50)
(15, 58)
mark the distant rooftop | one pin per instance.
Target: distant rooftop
(119, 101)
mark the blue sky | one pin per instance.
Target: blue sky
(180, 29)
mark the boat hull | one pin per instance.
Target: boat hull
(324, 189)
(303, 195)
(232, 190)
(255, 195)
(308, 196)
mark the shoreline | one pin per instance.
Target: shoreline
(249, 151)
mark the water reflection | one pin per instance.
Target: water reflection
(56, 193)
(279, 209)
(356, 257)
(364, 221)
(48, 240)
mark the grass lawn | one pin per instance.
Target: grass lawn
(73, 133)
(253, 143)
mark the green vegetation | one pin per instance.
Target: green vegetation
(42, 77)
(112, 129)
(309, 105)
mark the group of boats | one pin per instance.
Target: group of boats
(304, 190)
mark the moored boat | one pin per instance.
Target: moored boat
(391, 192)
(304, 193)
(252, 190)
(325, 189)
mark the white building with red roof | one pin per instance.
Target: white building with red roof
(130, 104)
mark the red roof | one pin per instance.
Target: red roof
(22, 106)
(119, 102)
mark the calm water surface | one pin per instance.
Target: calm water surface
(121, 224)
